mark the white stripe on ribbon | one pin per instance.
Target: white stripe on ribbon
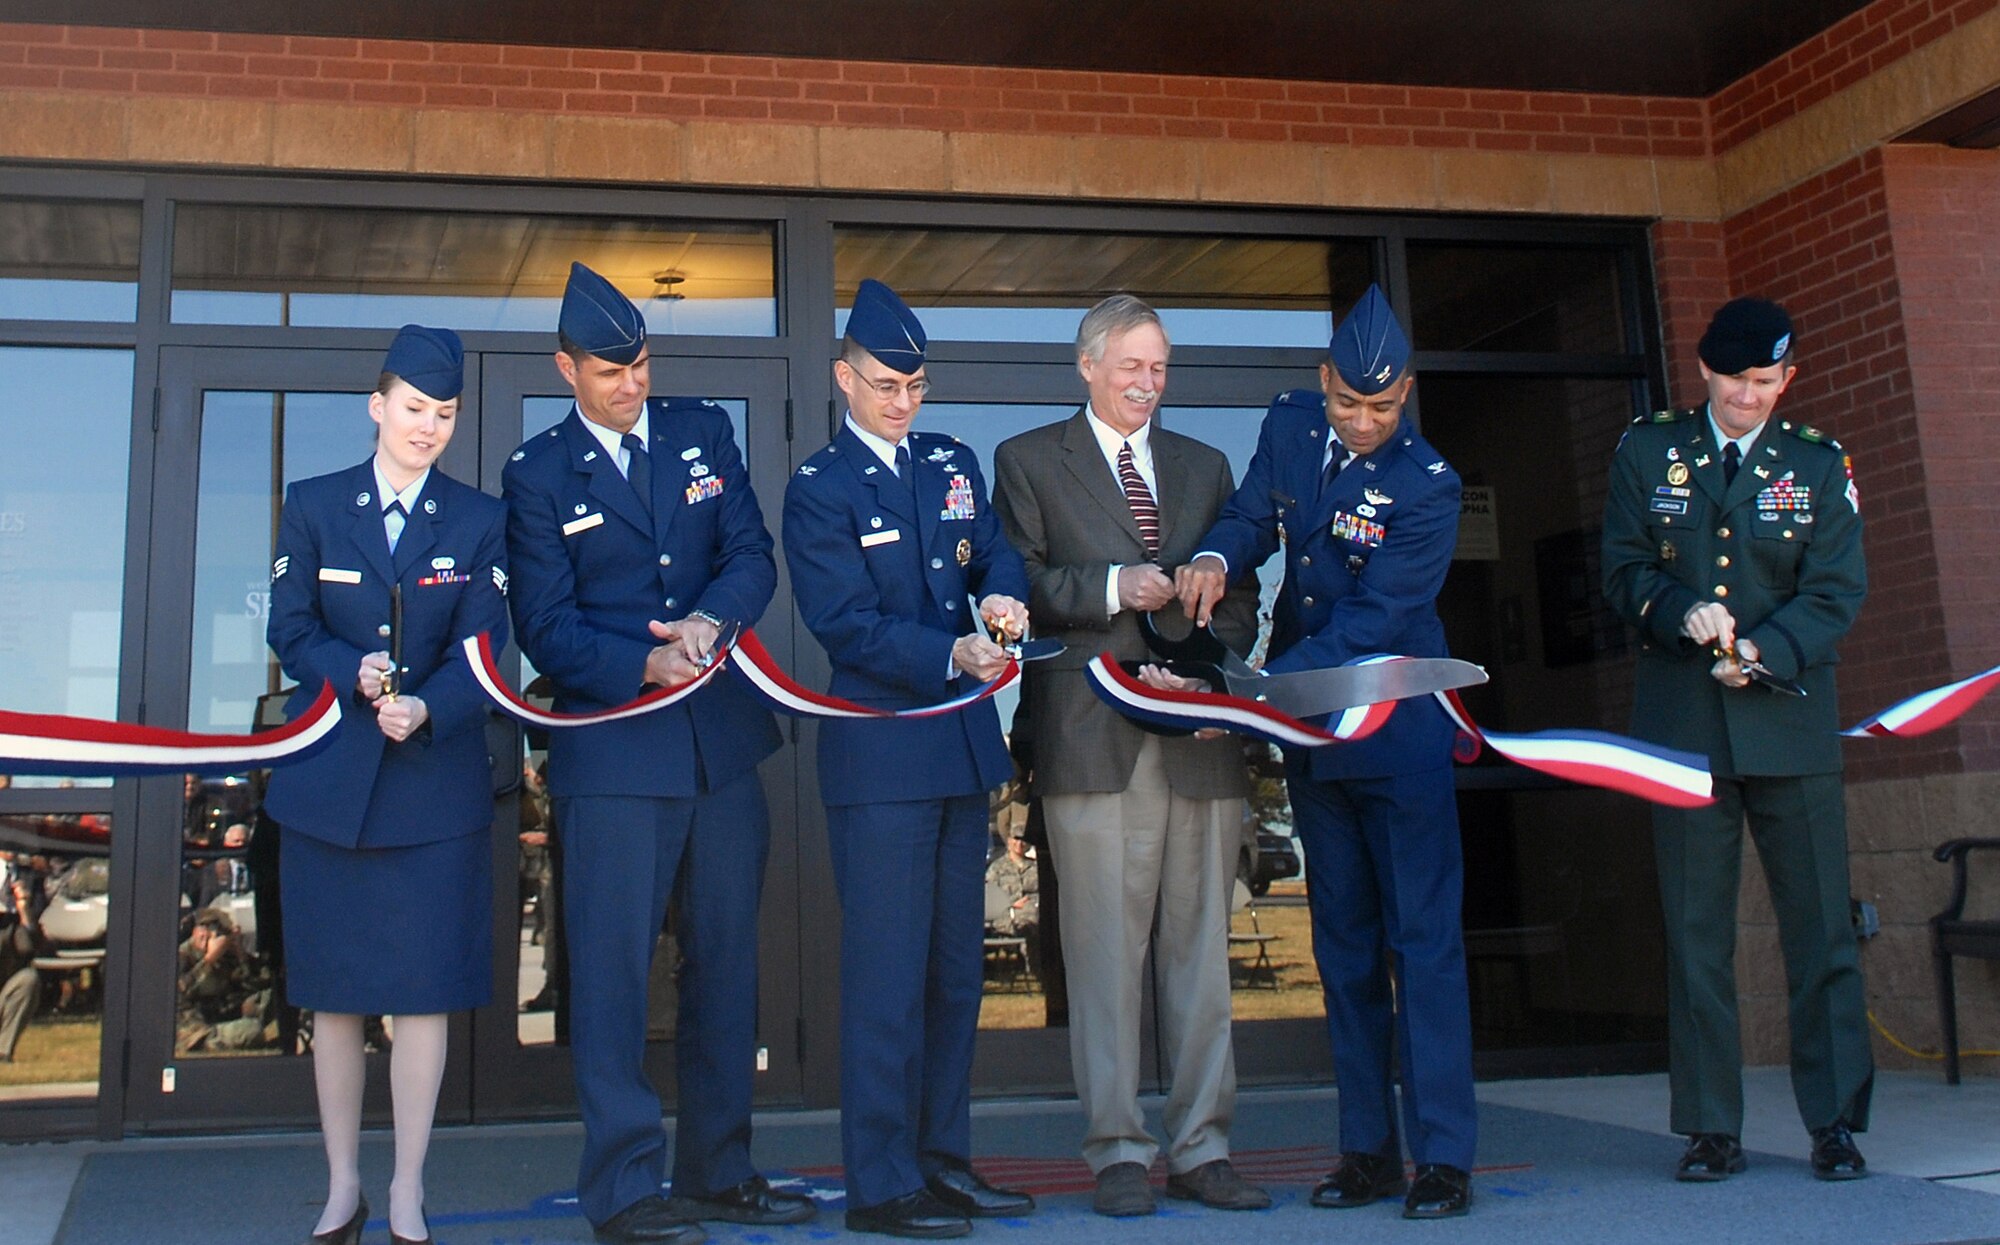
(748, 657)
(1927, 711)
(56, 745)
(479, 656)
(1593, 758)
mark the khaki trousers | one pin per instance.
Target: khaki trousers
(1146, 866)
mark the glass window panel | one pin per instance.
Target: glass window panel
(68, 260)
(55, 905)
(468, 271)
(62, 530)
(976, 285)
(1468, 297)
(1554, 897)
(228, 972)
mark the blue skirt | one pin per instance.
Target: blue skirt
(388, 931)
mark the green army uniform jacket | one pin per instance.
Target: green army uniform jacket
(1781, 548)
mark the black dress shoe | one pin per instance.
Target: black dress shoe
(649, 1221)
(1439, 1192)
(754, 1201)
(1711, 1156)
(916, 1215)
(1216, 1185)
(1359, 1179)
(962, 1190)
(1834, 1156)
(348, 1233)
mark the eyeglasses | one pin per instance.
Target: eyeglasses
(888, 389)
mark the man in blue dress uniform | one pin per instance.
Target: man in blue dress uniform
(888, 534)
(1366, 513)
(634, 536)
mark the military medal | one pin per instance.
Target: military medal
(1667, 551)
(965, 553)
(1677, 474)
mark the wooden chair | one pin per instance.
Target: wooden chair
(1952, 934)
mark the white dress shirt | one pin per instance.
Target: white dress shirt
(613, 441)
(393, 524)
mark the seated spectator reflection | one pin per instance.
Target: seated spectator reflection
(225, 996)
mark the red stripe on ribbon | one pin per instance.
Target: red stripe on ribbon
(1927, 711)
(753, 663)
(58, 745)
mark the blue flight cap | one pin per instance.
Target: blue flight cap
(885, 327)
(432, 360)
(1369, 349)
(1746, 333)
(597, 318)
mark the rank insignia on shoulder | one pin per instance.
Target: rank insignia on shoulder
(808, 470)
(1437, 468)
(282, 565)
(500, 580)
(518, 455)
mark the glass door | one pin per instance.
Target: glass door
(214, 1040)
(521, 1042)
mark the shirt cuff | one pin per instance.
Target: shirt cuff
(1111, 606)
(1210, 553)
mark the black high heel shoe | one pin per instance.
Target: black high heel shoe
(348, 1233)
(405, 1240)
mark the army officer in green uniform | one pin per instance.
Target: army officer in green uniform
(1732, 542)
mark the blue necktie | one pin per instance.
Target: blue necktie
(394, 519)
(639, 472)
(906, 472)
(1334, 463)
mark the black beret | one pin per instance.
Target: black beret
(1746, 333)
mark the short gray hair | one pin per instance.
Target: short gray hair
(1120, 313)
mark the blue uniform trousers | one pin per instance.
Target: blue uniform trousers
(623, 857)
(912, 877)
(1385, 879)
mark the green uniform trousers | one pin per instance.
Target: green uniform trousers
(1799, 824)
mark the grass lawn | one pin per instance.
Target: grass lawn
(60, 1048)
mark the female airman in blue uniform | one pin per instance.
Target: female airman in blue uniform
(386, 864)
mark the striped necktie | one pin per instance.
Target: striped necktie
(1145, 511)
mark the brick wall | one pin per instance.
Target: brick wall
(833, 92)
(1691, 276)
(1825, 251)
(1944, 216)
(1836, 58)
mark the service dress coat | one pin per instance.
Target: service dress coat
(386, 866)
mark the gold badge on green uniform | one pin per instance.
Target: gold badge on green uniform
(1677, 474)
(965, 553)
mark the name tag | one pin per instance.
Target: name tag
(889, 537)
(334, 575)
(584, 524)
(1669, 505)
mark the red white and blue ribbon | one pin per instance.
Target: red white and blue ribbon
(60, 746)
(1592, 758)
(1926, 711)
(1193, 711)
(761, 671)
(486, 672)
(1595, 759)
(753, 664)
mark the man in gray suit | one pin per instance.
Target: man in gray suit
(1140, 825)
